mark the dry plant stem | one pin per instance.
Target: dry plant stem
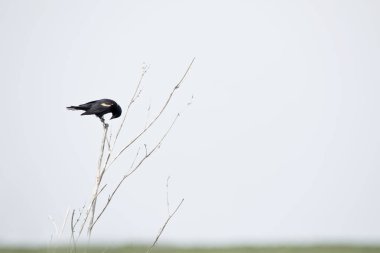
(64, 223)
(147, 154)
(99, 177)
(164, 226)
(73, 233)
(157, 116)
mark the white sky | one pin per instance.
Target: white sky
(280, 144)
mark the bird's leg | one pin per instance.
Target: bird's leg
(105, 125)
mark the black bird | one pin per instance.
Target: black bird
(99, 108)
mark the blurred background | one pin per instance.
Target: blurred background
(278, 140)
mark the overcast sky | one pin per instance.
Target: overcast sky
(280, 143)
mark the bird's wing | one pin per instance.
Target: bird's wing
(99, 107)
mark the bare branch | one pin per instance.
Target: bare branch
(109, 141)
(157, 116)
(164, 226)
(134, 169)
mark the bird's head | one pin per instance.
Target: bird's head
(116, 112)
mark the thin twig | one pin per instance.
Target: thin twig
(135, 95)
(164, 226)
(109, 141)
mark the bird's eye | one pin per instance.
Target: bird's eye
(105, 104)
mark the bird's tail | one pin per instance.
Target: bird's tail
(73, 108)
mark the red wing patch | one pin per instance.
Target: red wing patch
(105, 104)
